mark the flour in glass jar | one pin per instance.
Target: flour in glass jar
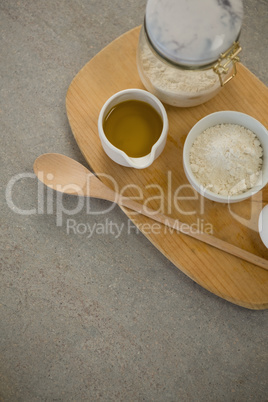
(227, 159)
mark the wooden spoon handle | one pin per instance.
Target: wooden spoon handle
(187, 230)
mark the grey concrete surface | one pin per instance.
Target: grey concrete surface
(101, 318)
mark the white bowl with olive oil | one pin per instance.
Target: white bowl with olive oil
(133, 127)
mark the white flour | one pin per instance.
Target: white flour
(169, 78)
(174, 86)
(227, 159)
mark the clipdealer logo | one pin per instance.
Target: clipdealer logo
(170, 200)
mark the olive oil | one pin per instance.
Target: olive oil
(133, 126)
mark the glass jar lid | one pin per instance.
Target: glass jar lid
(193, 33)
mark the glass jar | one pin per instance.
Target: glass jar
(188, 49)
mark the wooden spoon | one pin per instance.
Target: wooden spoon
(66, 175)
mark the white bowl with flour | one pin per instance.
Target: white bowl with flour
(225, 156)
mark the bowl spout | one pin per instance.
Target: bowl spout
(142, 162)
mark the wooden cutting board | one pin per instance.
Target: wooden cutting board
(163, 185)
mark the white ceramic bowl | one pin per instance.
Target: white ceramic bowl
(118, 155)
(225, 117)
(263, 225)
